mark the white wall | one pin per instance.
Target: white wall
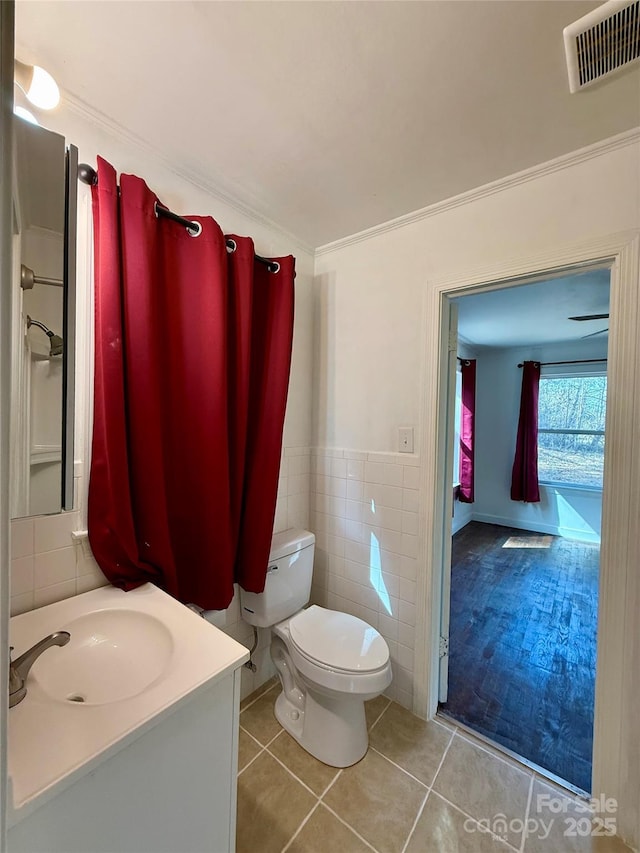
(47, 565)
(371, 294)
(571, 512)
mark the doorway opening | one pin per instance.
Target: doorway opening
(521, 569)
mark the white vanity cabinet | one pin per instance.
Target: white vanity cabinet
(164, 785)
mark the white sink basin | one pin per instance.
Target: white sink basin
(112, 655)
(133, 657)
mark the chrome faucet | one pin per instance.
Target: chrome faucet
(19, 668)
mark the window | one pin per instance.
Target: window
(571, 412)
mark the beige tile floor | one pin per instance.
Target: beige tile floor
(423, 787)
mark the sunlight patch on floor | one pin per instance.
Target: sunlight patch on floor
(535, 541)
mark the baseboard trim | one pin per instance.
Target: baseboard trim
(462, 522)
(535, 527)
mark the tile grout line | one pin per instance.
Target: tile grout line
(475, 820)
(398, 767)
(379, 717)
(249, 763)
(357, 834)
(263, 745)
(253, 738)
(444, 755)
(259, 696)
(506, 759)
(527, 811)
(299, 829)
(520, 763)
(438, 721)
(332, 782)
(509, 762)
(258, 753)
(437, 794)
(415, 823)
(263, 748)
(560, 790)
(291, 773)
(454, 805)
(444, 721)
(453, 731)
(275, 737)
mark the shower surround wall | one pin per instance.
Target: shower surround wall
(364, 512)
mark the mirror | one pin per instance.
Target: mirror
(43, 321)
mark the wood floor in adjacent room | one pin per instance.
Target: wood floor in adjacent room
(523, 644)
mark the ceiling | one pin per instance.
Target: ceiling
(536, 314)
(332, 117)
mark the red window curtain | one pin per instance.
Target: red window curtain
(176, 336)
(524, 477)
(467, 429)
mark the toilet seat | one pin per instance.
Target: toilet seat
(338, 641)
(321, 677)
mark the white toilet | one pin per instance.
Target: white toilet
(329, 663)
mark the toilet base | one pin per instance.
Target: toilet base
(330, 726)
(333, 731)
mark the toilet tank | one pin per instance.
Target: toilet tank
(288, 585)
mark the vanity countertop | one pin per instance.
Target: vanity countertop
(53, 739)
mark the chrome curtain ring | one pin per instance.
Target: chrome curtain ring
(231, 246)
(195, 229)
(274, 266)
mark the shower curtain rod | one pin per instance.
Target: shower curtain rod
(88, 175)
(578, 361)
(28, 278)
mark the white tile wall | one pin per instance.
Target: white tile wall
(292, 505)
(363, 510)
(47, 565)
(361, 506)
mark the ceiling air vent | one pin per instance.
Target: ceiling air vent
(602, 42)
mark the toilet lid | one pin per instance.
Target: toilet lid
(338, 640)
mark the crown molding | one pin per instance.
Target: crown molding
(198, 179)
(597, 149)
(206, 184)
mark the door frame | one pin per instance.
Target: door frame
(6, 282)
(616, 764)
(448, 401)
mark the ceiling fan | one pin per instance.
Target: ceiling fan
(592, 317)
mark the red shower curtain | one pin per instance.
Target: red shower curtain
(467, 429)
(262, 320)
(177, 388)
(524, 477)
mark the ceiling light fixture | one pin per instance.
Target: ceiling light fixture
(37, 84)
